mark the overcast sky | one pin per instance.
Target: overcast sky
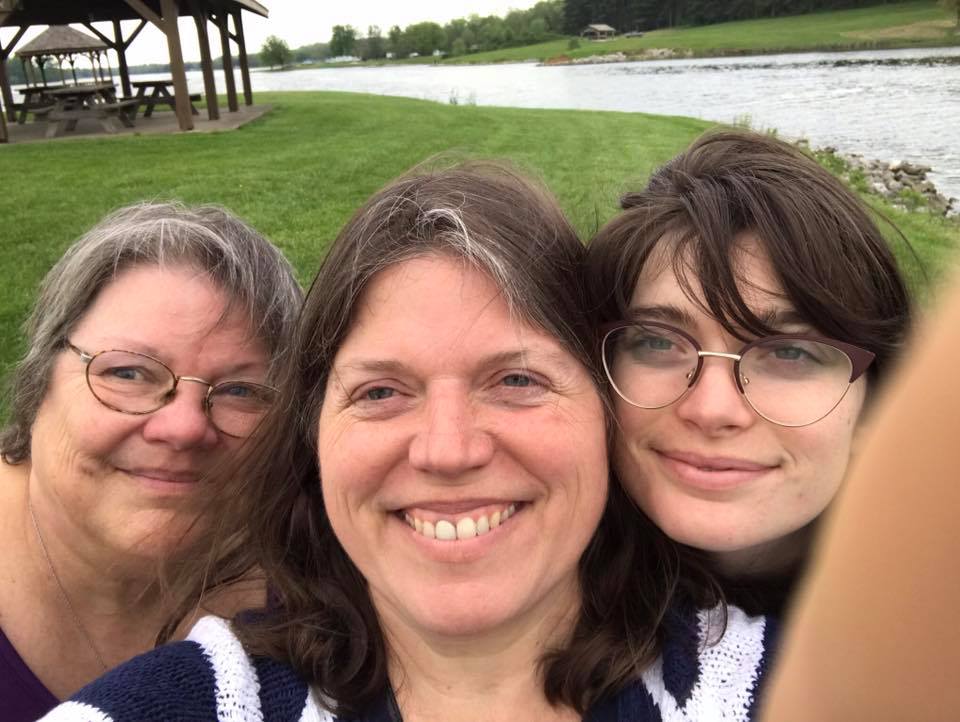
(301, 22)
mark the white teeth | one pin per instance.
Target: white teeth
(465, 528)
(446, 531)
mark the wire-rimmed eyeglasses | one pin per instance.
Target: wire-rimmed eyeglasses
(788, 379)
(135, 383)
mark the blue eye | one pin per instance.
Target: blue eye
(517, 380)
(237, 390)
(127, 373)
(379, 393)
(793, 353)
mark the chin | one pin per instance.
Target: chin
(162, 538)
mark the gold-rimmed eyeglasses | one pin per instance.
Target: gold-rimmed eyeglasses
(135, 383)
(788, 379)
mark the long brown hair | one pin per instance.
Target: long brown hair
(272, 520)
(829, 256)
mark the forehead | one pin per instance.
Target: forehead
(438, 308)
(667, 279)
(159, 305)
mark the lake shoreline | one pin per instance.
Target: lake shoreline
(647, 55)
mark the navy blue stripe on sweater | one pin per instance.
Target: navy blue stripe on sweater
(282, 692)
(174, 682)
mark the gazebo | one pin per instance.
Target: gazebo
(63, 43)
(164, 14)
(598, 31)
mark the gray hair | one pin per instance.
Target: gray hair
(247, 267)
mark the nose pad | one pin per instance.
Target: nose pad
(715, 399)
(182, 421)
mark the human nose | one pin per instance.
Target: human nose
(715, 404)
(183, 422)
(449, 441)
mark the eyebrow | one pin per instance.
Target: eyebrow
(780, 317)
(775, 318)
(665, 313)
(518, 357)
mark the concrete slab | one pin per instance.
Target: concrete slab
(161, 121)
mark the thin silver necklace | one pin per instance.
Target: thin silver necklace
(63, 592)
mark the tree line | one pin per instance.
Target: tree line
(639, 15)
(544, 21)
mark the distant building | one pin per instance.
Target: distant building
(598, 32)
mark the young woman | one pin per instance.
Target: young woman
(750, 309)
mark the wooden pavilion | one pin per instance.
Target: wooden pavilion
(164, 14)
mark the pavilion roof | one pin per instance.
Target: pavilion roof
(60, 40)
(59, 12)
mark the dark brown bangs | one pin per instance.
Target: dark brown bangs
(832, 263)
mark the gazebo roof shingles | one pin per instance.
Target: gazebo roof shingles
(60, 40)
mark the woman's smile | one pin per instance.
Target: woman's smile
(712, 473)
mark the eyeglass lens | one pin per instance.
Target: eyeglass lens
(789, 381)
(137, 384)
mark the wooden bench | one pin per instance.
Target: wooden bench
(39, 110)
(150, 101)
(63, 119)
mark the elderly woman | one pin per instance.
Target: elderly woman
(434, 519)
(751, 310)
(151, 353)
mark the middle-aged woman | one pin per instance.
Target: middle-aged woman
(751, 307)
(150, 356)
(428, 520)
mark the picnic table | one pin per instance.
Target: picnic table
(36, 100)
(92, 100)
(157, 92)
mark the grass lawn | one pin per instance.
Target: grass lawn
(893, 25)
(298, 173)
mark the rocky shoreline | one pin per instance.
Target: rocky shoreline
(902, 183)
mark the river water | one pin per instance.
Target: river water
(892, 105)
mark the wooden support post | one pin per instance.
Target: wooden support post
(222, 20)
(170, 13)
(121, 49)
(206, 63)
(3, 124)
(242, 55)
(5, 92)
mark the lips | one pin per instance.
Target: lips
(169, 476)
(712, 473)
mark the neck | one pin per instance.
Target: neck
(111, 615)
(449, 678)
(771, 559)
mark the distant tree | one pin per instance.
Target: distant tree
(275, 52)
(537, 30)
(375, 45)
(396, 42)
(309, 53)
(343, 41)
(458, 47)
(425, 37)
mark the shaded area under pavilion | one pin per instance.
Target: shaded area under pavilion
(164, 14)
